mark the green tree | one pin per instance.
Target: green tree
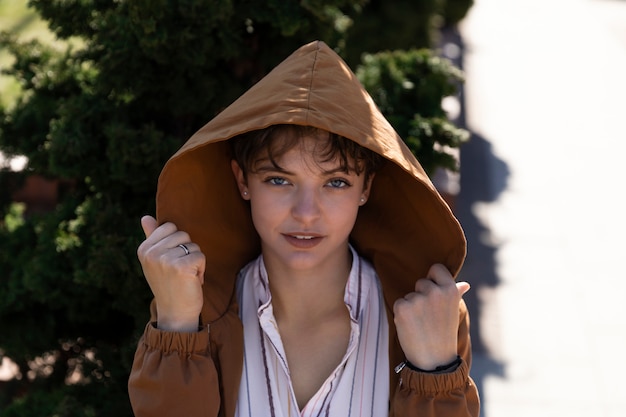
(453, 11)
(408, 86)
(385, 25)
(102, 119)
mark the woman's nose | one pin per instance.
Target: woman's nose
(306, 205)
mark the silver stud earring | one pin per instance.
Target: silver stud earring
(362, 200)
(245, 193)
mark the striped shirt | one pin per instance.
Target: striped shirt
(359, 386)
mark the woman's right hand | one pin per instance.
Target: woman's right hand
(174, 276)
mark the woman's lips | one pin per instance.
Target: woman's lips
(303, 241)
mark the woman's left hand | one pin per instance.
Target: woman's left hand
(427, 319)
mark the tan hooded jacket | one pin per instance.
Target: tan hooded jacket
(404, 228)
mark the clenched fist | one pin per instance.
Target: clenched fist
(174, 268)
(427, 319)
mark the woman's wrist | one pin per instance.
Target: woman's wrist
(182, 325)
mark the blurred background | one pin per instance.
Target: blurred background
(514, 108)
(541, 200)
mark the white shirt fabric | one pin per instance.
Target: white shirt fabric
(359, 386)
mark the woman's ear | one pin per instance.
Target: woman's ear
(240, 177)
(366, 189)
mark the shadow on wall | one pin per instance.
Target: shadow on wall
(483, 177)
(479, 168)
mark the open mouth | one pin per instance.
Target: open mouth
(303, 241)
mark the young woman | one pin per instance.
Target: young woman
(300, 254)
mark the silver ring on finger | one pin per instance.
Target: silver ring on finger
(185, 248)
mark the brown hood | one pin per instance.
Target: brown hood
(403, 228)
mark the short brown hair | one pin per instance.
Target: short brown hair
(248, 147)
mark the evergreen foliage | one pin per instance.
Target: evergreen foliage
(454, 11)
(384, 25)
(102, 119)
(408, 87)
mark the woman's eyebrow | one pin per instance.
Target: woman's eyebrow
(266, 165)
(333, 171)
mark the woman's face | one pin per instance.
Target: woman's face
(304, 211)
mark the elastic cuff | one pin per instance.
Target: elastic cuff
(432, 383)
(180, 342)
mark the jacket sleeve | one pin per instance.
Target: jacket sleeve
(173, 374)
(451, 394)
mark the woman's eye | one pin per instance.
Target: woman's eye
(276, 181)
(338, 183)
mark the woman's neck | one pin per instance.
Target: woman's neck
(308, 296)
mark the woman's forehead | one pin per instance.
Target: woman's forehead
(307, 150)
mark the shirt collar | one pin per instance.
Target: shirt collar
(356, 291)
